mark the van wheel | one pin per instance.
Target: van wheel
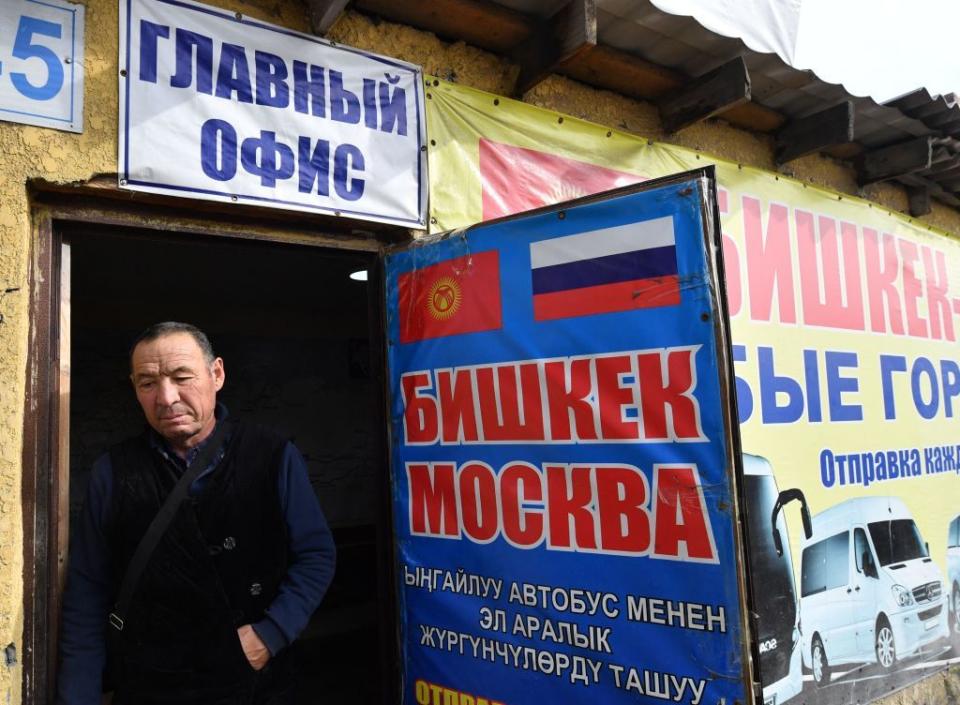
(821, 669)
(885, 647)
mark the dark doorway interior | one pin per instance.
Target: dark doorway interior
(294, 331)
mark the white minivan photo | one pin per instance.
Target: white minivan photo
(953, 574)
(869, 590)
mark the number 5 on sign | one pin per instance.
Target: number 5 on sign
(41, 63)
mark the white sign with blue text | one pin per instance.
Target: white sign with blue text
(41, 63)
(217, 106)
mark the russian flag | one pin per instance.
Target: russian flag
(615, 269)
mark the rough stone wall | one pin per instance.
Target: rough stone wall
(35, 153)
(941, 689)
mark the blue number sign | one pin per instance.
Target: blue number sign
(41, 63)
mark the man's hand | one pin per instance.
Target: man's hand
(254, 649)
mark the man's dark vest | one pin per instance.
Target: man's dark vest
(218, 567)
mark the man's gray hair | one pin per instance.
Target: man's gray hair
(160, 330)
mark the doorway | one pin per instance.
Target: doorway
(301, 341)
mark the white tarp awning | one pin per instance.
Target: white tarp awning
(766, 26)
(877, 48)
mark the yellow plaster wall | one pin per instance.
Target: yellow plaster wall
(35, 153)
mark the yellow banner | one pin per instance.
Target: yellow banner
(845, 321)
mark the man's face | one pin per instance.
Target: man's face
(177, 388)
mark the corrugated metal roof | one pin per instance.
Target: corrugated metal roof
(940, 112)
(645, 53)
(681, 44)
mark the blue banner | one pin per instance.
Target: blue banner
(562, 457)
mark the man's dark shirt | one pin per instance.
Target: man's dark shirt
(90, 588)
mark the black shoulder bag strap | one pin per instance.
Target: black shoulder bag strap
(161, 522)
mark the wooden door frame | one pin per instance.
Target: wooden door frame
(41, 461)
(45, 457)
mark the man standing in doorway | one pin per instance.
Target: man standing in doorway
(197, 608)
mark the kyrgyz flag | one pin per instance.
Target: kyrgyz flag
(516, 179)
(460, 295)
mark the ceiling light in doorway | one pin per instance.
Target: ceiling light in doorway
(359, 276)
